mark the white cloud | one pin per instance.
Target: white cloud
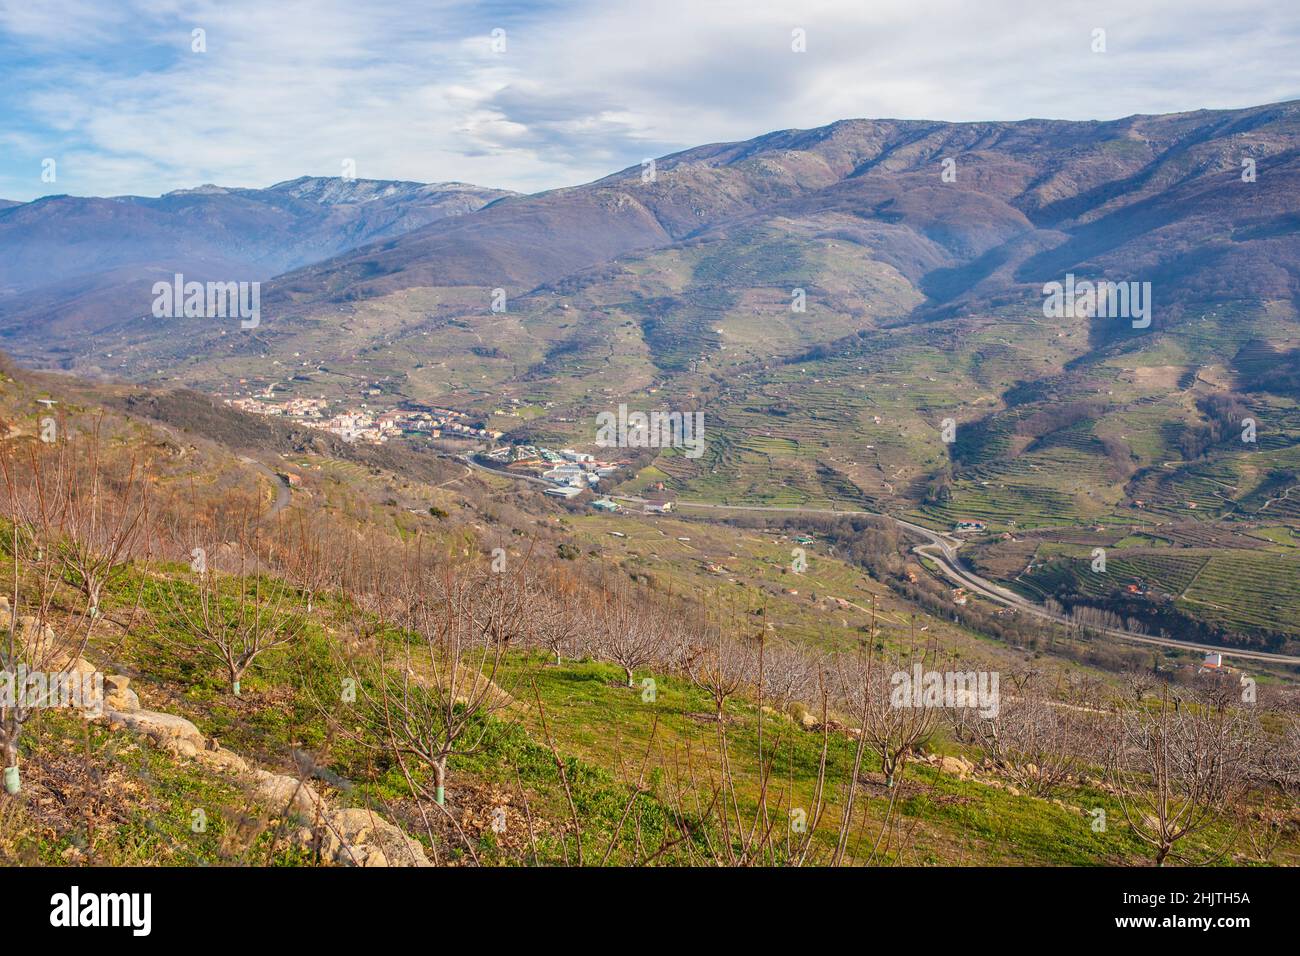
(413, 90)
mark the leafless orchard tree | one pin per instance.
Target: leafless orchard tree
(962, 715)
(789, 674)
(427, 681)
(724, 667)
(1022, 676)
(554, 623)
(627, 633)
(555, 629)
(95, 510)
(45, 628)
(1277, 810)
(893, 732)
(104, 525)
(234, 618)
(1140, 682)
(1179, 772)
(1288, 759)
(1034, 742)
(864, 687)
(309, 556)
(1086, 691)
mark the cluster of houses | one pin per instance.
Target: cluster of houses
(366, 425)
(571, 472)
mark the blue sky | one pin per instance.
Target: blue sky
(114, 94)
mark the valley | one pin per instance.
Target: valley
(630, 652)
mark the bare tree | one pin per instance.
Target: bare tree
(891, 727)
(724, 667)
(1278, 772)
(1033, 742)
(628, 634)
(789, 674)
(308, 556)
(44, 635)
(235, 618)
(104, 522)
(1179, 772)
(1085, 690)
(554, 626)
(1140, 682)
(427, 682)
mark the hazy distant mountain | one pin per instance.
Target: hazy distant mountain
(1159, 196)
(71, 264)
(859, 213)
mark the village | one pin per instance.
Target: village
(569, 472)
(363, 424)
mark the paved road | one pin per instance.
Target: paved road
(281, 485)
(942, 548)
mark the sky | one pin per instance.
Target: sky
(119, 97)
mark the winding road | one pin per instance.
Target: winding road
(941, 549)
(281, 485)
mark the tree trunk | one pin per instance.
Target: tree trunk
(13, 782)
(93, 589)
(629, 676)
(439, 781)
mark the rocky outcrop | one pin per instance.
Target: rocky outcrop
(349, 836)
(359, 837)
(282, 790)
(958, 766)
(118, 694)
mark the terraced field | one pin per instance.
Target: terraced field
(1248, 593)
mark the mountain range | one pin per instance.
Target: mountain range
(72, 265)
(1163, 198)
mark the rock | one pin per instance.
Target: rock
(956, 765)
(181, 746)
(809, 721)
(168, 730)
(214, 755)
(350, 837)
(359, 837)
(126, 702)
(284, 792)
